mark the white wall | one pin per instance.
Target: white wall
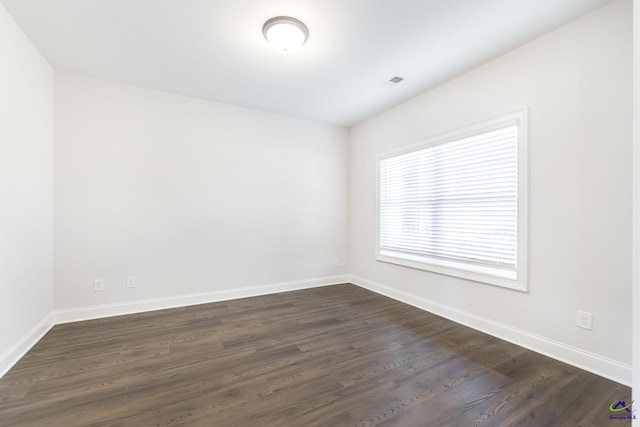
(26, 192)
(190, 196)
(577, 82)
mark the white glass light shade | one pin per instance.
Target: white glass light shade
(285, 34)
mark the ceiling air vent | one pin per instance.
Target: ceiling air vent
(396, 79)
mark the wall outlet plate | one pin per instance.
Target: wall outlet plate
(98, 285)
(584, 320)
(131, 281)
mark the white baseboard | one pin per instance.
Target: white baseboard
(108, 310)
(24, 344)
(597, 364)
(20, 348)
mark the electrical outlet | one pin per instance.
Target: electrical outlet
(98, 285)
(336, 262)
(131, 281)
(584, 320)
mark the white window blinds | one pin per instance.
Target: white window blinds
(454, 204)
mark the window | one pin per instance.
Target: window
(455, 204)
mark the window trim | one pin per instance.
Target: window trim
(463, 270)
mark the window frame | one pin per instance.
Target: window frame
(460, 269)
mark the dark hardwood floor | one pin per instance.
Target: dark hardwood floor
(332, 356)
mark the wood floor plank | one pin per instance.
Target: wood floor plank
(330, 356)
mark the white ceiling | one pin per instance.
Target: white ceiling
(214, 49)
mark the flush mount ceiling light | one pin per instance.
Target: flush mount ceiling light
(285, 34)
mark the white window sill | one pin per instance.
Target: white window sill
(502, 278)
